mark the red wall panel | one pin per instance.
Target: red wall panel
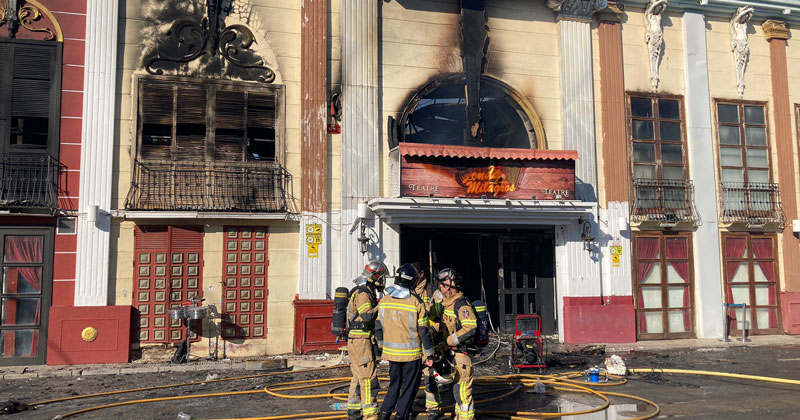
(312, 326)
(587, 320)
(65, 346)
(63, 293)
(64, 266)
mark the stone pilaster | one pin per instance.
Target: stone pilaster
(91, 281)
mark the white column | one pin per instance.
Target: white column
(707, 263)
(577, 103)
(91, 283)
(360, 122)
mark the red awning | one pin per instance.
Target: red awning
(439, 150)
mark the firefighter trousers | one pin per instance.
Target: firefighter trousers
(462, 390)
(403, 386)
(433, 400)
(362, 400)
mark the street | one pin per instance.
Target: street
(686, 396)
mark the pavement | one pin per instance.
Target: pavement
(333, 358)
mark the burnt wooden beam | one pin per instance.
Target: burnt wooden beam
(473, 50)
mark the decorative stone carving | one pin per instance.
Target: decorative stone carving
(613, 13)
(654, 35)
(15, 13)
(775, 29)
(577, 9)
(740, 44)
(191, 39)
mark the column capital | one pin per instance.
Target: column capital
(581, 10)
(775, 29)
(613, 13)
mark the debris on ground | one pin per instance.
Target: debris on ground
(615, 365)
(11, 407)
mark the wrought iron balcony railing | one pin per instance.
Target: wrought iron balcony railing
(29, 180)
(753, 203)
(228, 187)
(663, 200)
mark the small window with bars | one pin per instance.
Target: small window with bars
(199, 121)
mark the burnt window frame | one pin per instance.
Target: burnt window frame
(743, 147)
(211, 87)
(7, 61)
(657, 142)
(531, 116)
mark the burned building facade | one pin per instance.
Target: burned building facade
(623, 169)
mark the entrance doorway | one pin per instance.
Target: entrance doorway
(512, 270)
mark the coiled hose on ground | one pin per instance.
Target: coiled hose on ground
(501, 385)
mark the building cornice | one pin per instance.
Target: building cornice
(788, 11)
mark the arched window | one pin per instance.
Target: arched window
(437, 115)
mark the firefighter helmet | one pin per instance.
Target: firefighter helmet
(452, 275)
(406, 276)
(375, 273)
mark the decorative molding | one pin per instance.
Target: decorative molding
(775, 29)
(740, 44)
(654, 35)
(612, 14)
(582, 10)
(17, 13)
(192, 39)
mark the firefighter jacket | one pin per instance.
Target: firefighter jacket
(458, 321)
(361, 312)
(402, 326)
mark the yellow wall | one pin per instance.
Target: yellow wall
(277, 25)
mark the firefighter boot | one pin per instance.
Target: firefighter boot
(354, 415)
(384, 416)
(434, 415)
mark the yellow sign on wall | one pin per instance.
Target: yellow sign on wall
(616, 253)
(313, 239)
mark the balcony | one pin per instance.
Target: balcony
(29, 181)
(753, 204)
(227, 187)
(665, 201)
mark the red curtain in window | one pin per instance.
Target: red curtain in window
(646, 248)
(677, 248)
(734, 248)
(762, 249)
(25, 249)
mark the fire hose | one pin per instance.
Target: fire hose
(504, 385)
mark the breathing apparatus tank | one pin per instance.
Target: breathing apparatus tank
(339, 321)
(482, 332)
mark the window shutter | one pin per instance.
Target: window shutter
(191, 123)
(186, 238)
(261, 109)
(31, 88)
(148, 238)
(229, 120)
(156, 102)
(156, 114)
(3, 90)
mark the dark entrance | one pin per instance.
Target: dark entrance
(512, 270)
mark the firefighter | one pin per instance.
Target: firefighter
(458, 327)
(402, 346)
(361, 313)
(429, 293)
